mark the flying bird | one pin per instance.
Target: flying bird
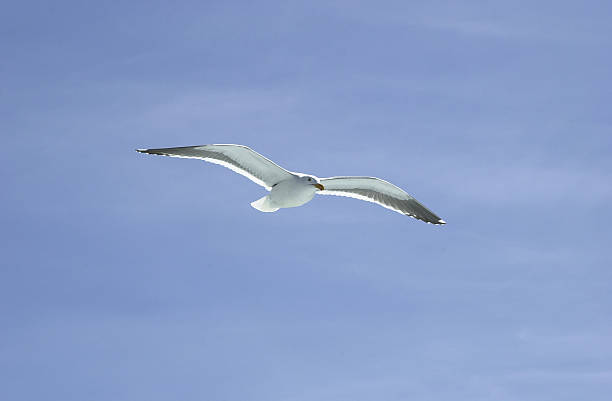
(290, 189)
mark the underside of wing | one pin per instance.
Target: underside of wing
(379, 191)
(241, 159)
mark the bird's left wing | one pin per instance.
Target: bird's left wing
(241, 159)
(379, 191)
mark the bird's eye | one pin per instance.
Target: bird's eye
(310, 179)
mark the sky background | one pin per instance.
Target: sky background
(132, 277)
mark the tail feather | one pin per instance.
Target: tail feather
(263, 205)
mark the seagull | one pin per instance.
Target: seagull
(290, 189)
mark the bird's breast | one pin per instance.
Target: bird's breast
(291, 194)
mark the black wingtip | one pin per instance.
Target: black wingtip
(434, 222)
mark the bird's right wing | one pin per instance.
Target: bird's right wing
(239, 158)
(379, 191)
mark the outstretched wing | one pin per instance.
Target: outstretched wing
(379, 191)
(241, 159)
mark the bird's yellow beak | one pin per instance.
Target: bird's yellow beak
(321, 187)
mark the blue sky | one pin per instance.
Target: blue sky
(128, 276)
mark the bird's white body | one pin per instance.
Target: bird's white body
(291, 192)
(288, 189)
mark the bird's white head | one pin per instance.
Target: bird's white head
(312, 180)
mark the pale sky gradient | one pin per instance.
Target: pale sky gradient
(133, 277)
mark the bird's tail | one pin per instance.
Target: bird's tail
(263, 205)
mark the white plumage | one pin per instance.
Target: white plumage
(289, 189)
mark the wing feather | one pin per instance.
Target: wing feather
(241, 159)
(379, 191)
